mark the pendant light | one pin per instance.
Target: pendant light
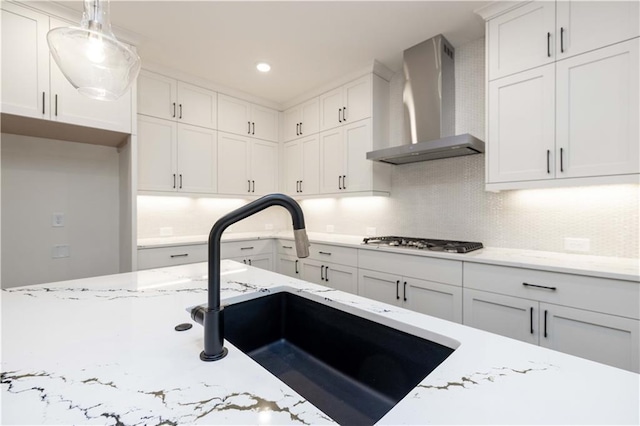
(91, 57)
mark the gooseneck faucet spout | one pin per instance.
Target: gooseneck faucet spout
(212, 316)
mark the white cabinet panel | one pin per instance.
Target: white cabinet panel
(379, 286)
(521, 129)
(522, 39)
(288, 265)
(264, 123)
(310, 147)
(161, 257)
(302, 120)
(264, 167)
(233, 115)
(197, 106)
(233, 167)
(358, 172)
(331, 109)
(157, 95)
(439, 300)
(292, 154)
(25, 62)
(331, 161)
(341, 277)
(598, 116)
(197, 159)
(292, 119)
(357, 100)
(157, 151)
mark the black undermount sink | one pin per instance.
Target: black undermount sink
(351, 368)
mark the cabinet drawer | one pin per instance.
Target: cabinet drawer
(335, 254)
(170, 256)
(421, 267)
(286, 247)
(614, 297)
(245, 248)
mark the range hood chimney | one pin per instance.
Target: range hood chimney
(429, 108)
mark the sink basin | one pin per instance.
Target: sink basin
(351, 368)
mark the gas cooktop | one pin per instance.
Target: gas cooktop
(424, 244)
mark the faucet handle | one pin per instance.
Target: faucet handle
(302, 242)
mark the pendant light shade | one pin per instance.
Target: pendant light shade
(91, 57)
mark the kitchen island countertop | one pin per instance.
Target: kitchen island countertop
(104, 351)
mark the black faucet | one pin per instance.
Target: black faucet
(211, 316)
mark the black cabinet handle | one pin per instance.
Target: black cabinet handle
(248, 127)
(339, 182)
(244, 261)
(287, 247)
(531, 319)
(404, 291)
(545, 323)
(43, 102)
(56, 105)
(253, 126)
(322, 272)
(246, 248)
(561, 39)
(540, 286)
(249, 185)
(549, 45)
(326, 273)
(340, 115)
(296, 266)
(301, 190)
(344, 113)
(180, 180)
(297, 186)
(300, 128)
(398, 290)
(297, 129)
(180, 117)
(249, 262)
(548, 161)
(179, 255)
(325, 252)
(561, 160)
(174, 181)
(253, 182)
(344, 181)
(174, 110)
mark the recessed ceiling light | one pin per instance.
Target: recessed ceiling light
(263, 67)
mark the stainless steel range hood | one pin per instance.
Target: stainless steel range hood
(429, 108)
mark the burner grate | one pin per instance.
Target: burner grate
(425, 244)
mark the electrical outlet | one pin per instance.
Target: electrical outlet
(577, 244)
(371, 231)
(268, 226)
(330, 228)
(60, 251)
(166, 231)
(57, 220)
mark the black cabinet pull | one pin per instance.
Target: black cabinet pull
(56, 105)
(322, 272)
(548, 161)
(545, 323)
(404, 291)
(326, 273)
(561, 160)
(174, 110)
(253, 126)
(398, 290)
(344, 181)
(244, 261)
(180, 180)
(540, 286)
(296, 266)
(325, 252)
(339, 182)
(174, 181)
(344, 113)
(301, 190)
(287, 247)
(249, 185)
(561, 39)
(549, 45)
(43, 102)
(340, 115)
(297, 129)
(531, 319)
(300, 128)
(248, 127)
(180, 117)
(249, 262)
(180, 255)
(246, 248)
(253, 182)
(297, 186)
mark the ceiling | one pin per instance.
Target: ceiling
(307, 43)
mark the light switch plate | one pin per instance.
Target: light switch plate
(57, 220)
(60, 251)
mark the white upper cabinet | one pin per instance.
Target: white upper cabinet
(197, 159)
(170, 99)
(521, 39)
(301, 166)
(302, 120)
(25, 62)
(588, 25)
(34, 86)
(264, 167)
(346, 104)
(244, 118)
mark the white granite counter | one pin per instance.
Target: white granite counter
(596, 266)
(104, 351)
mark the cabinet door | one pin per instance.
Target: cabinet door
(357, 99)
(292, 167)
(380, 286)
(292, 118)
(340, 277)
(69, 106)
(439, 300)
(264, 123)
(233, 171)
(357, 142)
(197, 106)
(233, 115)
(310, 117)
(288, 265)
(522, 39)
(331, 161)
(197, 159)
(310, 147)
(25, 62)
(312, 271)
(505, 315)
(262, 261)
(589, 25)
(521, 129)
(331, 109)
(598, 115)
(157, 95)
(608, 339)
(157, 150)
(264, 167)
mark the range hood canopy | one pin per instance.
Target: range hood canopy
(429, 108)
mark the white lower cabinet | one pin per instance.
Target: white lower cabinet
(288, 265)
(159, 257)
(601, 324)
(262, 261)
(334, 275)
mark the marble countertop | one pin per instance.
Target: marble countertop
(596, 266)
(104, 351)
